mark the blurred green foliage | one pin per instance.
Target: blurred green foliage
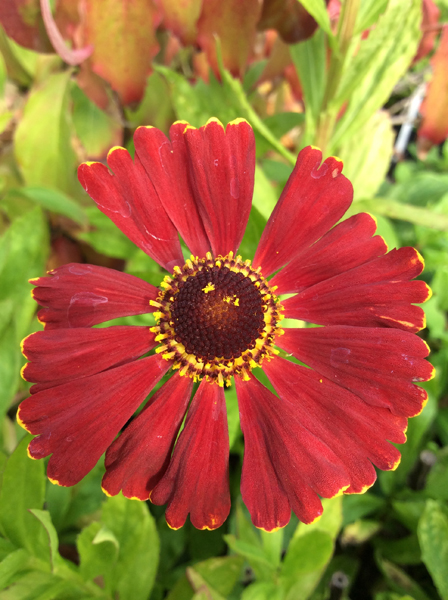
(58, 543)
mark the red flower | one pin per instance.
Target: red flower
(218, 318)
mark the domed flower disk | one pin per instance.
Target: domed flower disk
(219, 320)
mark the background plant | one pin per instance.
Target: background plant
(77, 78)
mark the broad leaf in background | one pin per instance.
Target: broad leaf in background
(310, 551)
(124, 42)
(374, 70)
(42, 139)
(22, 22)
(23, 487)
(52, 200)
(97, 130)
(23, 250)
(181, 18)
(367, 162)
(310, 63)
(234, 23)
(433, 537)
(132, 525)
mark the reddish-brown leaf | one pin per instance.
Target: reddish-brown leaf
(180, 17)
(234, 22)
(22, 22)
(430, 17)
(123, 35)
(434, 127)
(289, 18)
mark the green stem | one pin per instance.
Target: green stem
(328, 115)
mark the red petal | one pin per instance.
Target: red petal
(59, 355)
(166, 165)
(128, 198)
(197, 478)
(77, 421)
(222, 167)
(304, 465)
(139, 457)
(348, 245)
(261, 489)
(314, 199)
(84, 295)
(356, 432)
(378, 365)
(373, 294)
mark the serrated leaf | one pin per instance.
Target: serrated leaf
(433, 537)
(374, 70)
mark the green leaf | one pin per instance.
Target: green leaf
(54, 201)
(263, 591)
(265, 195)
(318, 10)
(381, 60)
(367, 162)
(37, 585)
(309, 58)
(272, 545)
(5, 119)
(14, 566)
(305, 562)
(360, 531)
(23, 249)
(23, 487)
(233, 418)
(330, 521)
(201, 587)
(400, 581)
(368, 14)
(97, 556)
(255, 555)
(356, 506)
(433, 537)
(42, 139)
(97, 130)
(408, 512)
(44, 518)
(404, 212)
(134, 528)
(222, 573)
(105, 237)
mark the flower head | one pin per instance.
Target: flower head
(218, 320)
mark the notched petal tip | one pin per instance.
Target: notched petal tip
(20, 422)
(103, 489)
(29, 453)
(56, 482)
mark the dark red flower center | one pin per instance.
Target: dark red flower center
(217, 313)
(216, 318)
